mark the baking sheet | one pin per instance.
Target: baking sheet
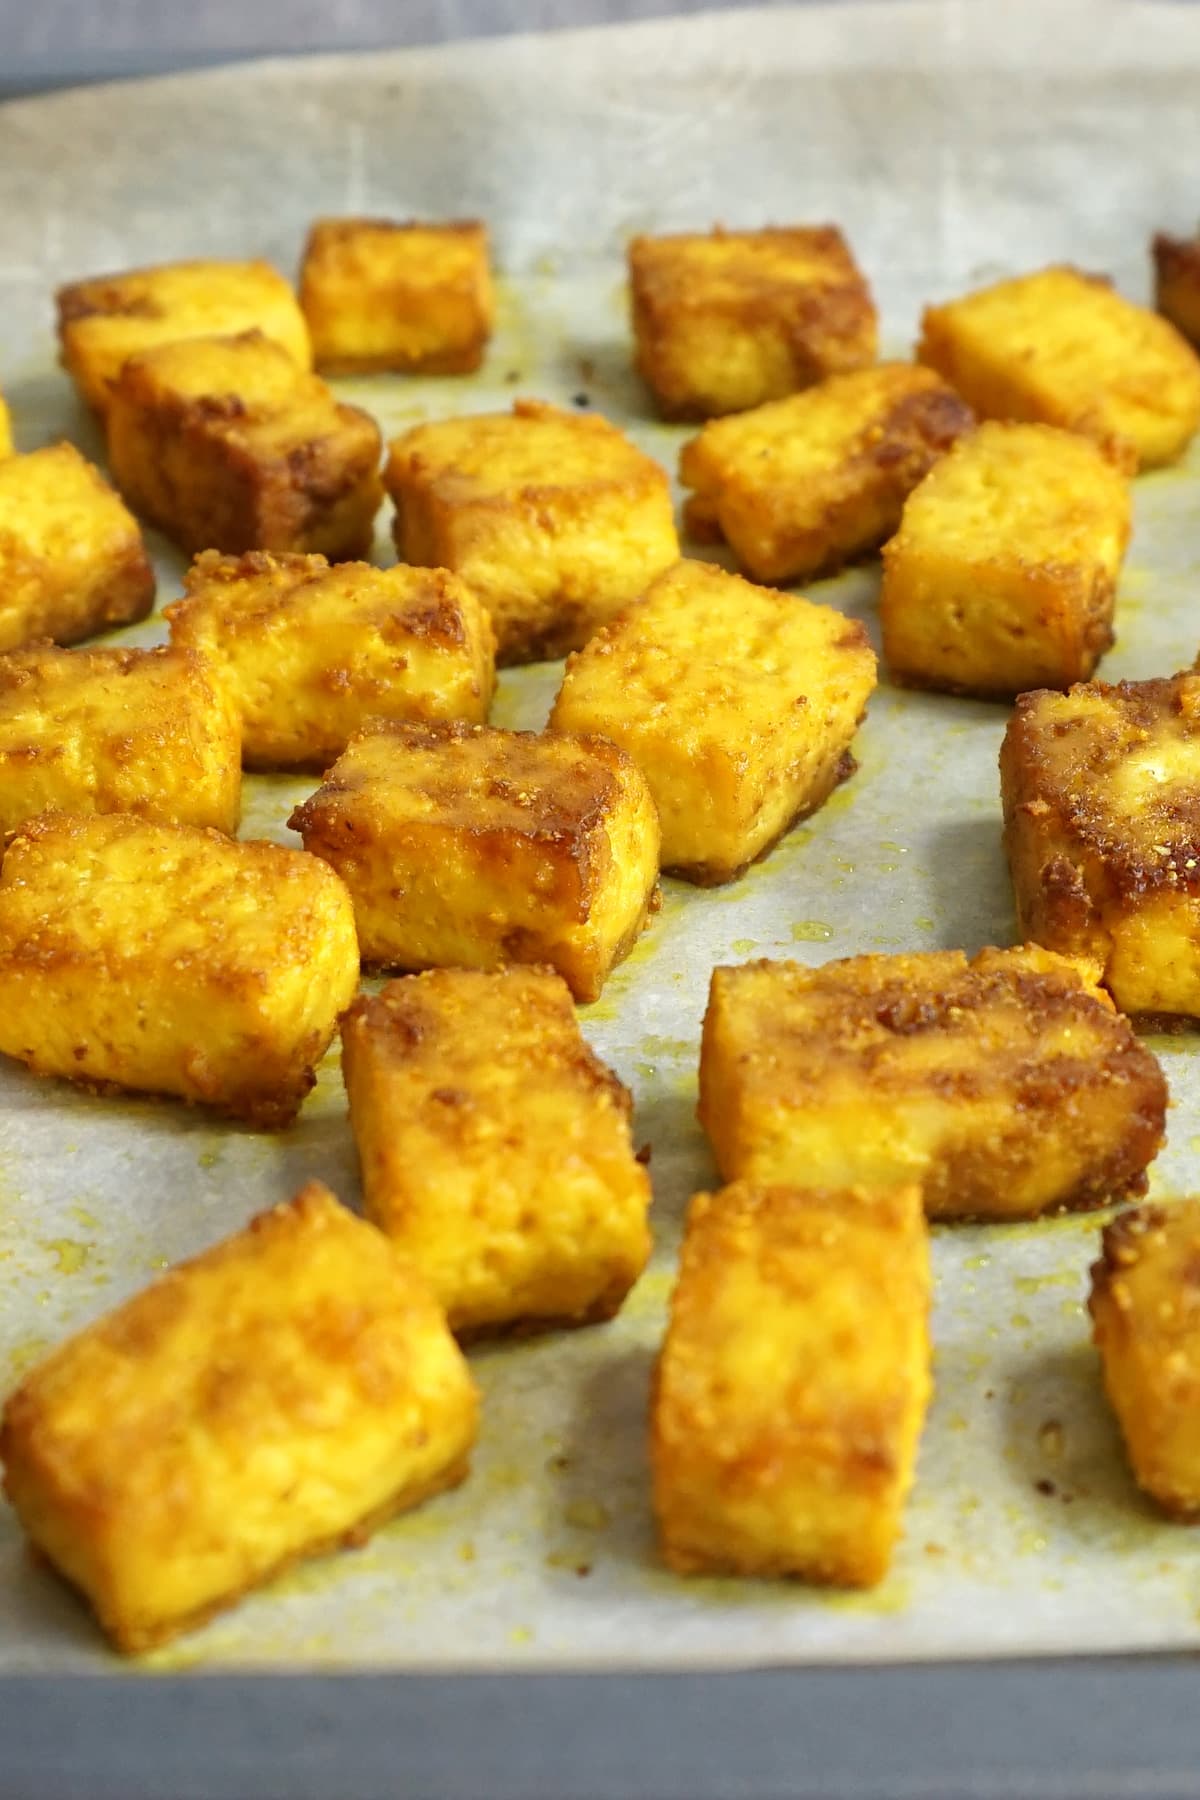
(954, 143)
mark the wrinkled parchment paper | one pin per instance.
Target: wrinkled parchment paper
(954, 143)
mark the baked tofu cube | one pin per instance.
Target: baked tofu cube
(802, 486)
(728, 319)
(383, 295)
(1101, 788)
(72, 561)
(284, 1393)
(555, 519)
(792, 1383)
(225, 444)
(6, 437)
(171, 960)
(1145, 1307)
(1007, 1086)
(1062, 348)
(1003, 574)
(495, 1147)
(738, 704)
(108, 318)
(310, 652)
(468, 847)
(152, 732)
(1177, 283)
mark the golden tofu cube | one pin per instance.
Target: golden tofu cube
(382, 295)
(225, 444)
(311, 652)
(1177, 283)
(172, 960)
(280, 1395)
(802, 486)
(1003, 574)
(1007, 1086)
(1062, 348)
(6, 437)
(1100, 792)
(555, 519)
(495, 1147)
(152, 732)
(72, 561)
(738, 704)
(108, 318)
(468, 847)
(725, 320)
(1145, 1307)
(792, 1383)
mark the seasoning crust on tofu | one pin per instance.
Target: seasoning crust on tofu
(792, 1383)
(310, 652)
(739, 705)
(1177, 283)
(495, 1147)
(1007, 1087)
(464, 846)
(284, 1393)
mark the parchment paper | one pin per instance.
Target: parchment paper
(953, 143)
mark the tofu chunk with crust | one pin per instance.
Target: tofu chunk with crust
(225, 444)
(1007, 1086)
(802, 486)
(468, 847)
(310, 652)
(282, 1394)
(725, 320)
(792, 1383)
(555, 519)
(1177, 283)
(1003, 574)
(152, 732)
(72, 561)
(738, 704)
(106, 319)
(170, 960)
(1062, 348)
(495, 1147)
(379, 294)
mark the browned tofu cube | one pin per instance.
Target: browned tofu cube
(555, 519)
(495, 1147)
(310, 652)
(1177, 283)
(1006, 1087)
(382, 295)
(792, 1383)
(468, 847)
(225, 444)
(725, 320)
(284, 1393)
(72, 561)
(802, 486)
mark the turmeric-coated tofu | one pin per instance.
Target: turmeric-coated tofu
(495, 1147)
(725, 320)
(1145, 1307)
(469, 847)
(310, 652)
(172, 960)
(280, 1395)
(1101, 792)
(739, 705)
(1003, 574)
(108, 318)
(555, 519)
(72, 561)
(1063, 348)
(802, 486)
(792, 1383)
(6, 437)
(226, 444)
(153, 732)
(412, 297)
(1007, 1086)
(1177, 283)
